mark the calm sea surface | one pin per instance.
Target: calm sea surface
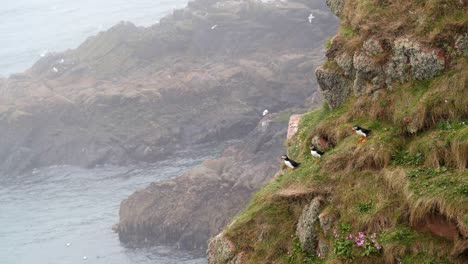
(64, 214)
(29, 28)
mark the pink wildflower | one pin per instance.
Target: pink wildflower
(361, 235)
(337, 236)
(378, 246)
(350, 236)
(374, 235)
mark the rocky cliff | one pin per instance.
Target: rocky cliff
(398, 68)
(130, 94)
(188, 210)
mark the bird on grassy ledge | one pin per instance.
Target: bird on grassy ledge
(364, 133)
(315, 152)
(289, 162)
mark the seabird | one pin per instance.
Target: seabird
(54, 69)
(62, 60)
(311, 16)
(364, 133)
(265, 112)
(315, 152)
(213, 27)
(289, 162)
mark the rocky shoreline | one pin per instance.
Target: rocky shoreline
(130, 95)
(134, 94)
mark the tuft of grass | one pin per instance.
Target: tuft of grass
(328, 43)
(365, 207)
(404, 157)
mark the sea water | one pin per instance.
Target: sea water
(30, 29)
(64, 214)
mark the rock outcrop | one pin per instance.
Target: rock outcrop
(306, 227)
(131, 94)
(398, 68)
(190, 209)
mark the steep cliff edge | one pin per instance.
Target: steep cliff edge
(131, 94)
(399, 68)
(188, 210)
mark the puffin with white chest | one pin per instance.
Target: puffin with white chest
(315, 152)
(289, 162)
(364, 133)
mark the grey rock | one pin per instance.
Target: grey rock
(306, 227)
(366, 65)
(193, 207)
(461, 44)
(372, 47)
(345, 61)
(326, 221)
(359, 84)
(335, 87)
(220, 250)
(411, 61)
(336, 6)
(133, 94)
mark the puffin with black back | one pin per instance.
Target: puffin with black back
(315, 152)
(289, 162)
(364, 133)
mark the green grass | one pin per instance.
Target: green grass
(347, 31)
(404, 157)
(412, 165)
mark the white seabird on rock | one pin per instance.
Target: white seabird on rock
(265, 112)
(214, 26)
(62, 60)
(54, 69)
(311, 16)
(68, 244)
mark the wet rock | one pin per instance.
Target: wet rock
(335, 87)
(190, 209)
(133, 94)
(306, 227)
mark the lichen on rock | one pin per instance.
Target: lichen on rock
(336, 6)
(220, 250)
(461, 44)
(306, 231)
(335, 87)
(411, 61)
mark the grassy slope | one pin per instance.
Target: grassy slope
(414, 164)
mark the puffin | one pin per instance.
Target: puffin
(315, 152)
(290, 163)
(364, 133)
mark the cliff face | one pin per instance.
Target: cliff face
(190, 209)
(398, 68)
(127, 95)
